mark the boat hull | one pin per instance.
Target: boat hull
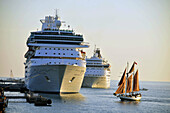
(55, 78)
(96, 82)
(132, 98)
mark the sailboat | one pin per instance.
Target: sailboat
(129, 85)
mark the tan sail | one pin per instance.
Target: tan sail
(123, 79)
(129, 85)
(133, 67)
(121, 88)
(136, 82)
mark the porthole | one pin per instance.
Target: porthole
(58, 48)
(71, 54)
(49, 48)
(39, 53)
(63, 53)
(45, 53)
(45, 48)
(54, 53)
(54, 48)
(58, 53)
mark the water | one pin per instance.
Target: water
(155, 100)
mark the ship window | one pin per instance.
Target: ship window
(49, 62)
(63, 48)
(54, 62)
(54, 48)
(45, 48)
(59, 62)
(54, 53)
(78, 54)
(58, 48)
(71, 54)
(58, 53)
(67, 49)
(49, 48)
(45, 53)
(72, 49)
(25, 71)
(39, 53)
(63, 53)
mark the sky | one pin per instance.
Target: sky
(124, 30)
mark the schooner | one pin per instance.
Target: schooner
(129, 85)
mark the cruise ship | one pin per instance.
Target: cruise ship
(55, 60)
(97, 72)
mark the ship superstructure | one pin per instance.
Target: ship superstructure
(97, 71)
(55, 61)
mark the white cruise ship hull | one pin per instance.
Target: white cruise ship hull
(96, 82)
(55, 78)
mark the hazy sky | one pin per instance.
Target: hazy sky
(125, 30)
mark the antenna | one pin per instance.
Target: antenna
(94, 48)
(56, 14)
(11, 74)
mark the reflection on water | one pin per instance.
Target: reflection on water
(71, 97)
(75, 97)
(129, 102)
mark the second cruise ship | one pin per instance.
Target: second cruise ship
(55, 61)
(97, 72)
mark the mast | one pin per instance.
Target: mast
(126, 77)
(133, 70)
(133, 80)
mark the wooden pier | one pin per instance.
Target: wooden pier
(19, 86)
(13, 85)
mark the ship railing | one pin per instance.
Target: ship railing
(71, 31)
(84, 43)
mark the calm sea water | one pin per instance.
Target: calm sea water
(155, 100)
